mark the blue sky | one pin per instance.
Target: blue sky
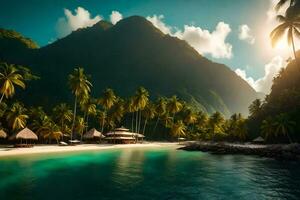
(250, 56)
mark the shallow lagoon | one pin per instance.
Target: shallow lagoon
(147, 173)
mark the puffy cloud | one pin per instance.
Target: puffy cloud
(70, 22)
(115, 17)
(264, 84)
(204, 41)
(157, 21)
(245, 34)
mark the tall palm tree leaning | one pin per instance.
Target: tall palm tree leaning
(9, 77)
(107, 101)
(81, 87)
(141, 99)
(289, 24)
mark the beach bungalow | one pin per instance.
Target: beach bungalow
(258, 140)
(121, 136)
(24, 135)
(93, 135)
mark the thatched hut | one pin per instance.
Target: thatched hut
(3, 134)
(93, 134)
(258, 140)
(24, 135)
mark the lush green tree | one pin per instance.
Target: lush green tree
(81, 87)
(267, 127)
(178, 129)
(290, 25)
(174, 106)
(190, 118)
(62, 114)
(102, 117)
(9, 77)
(160, 110)
(283, 125)
(49, 130)
(148, 113)
(140, 101)
(89, 108)
(17, 116)
(255, 108)
(108, 99)
(80, 126)
(215, 124)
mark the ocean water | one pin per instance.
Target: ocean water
(145, 173)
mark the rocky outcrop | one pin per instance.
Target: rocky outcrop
(277, 151)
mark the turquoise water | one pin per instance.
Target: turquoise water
(147, 174)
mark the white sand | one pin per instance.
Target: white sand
(4, 151)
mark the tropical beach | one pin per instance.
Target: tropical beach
(45, 149)
(151, 100)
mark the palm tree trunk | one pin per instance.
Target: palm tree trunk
(102, 127)
(136, 121)
(155, 126)
(132, 119)
(1, 97)
(74, 117)
(140, 119)
(146, 120)
(294, 49)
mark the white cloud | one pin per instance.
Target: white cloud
(245, 34)
(157, 21)
(264, 84)
(115, 17)
(70, 22)
(204, 41)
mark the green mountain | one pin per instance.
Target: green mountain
(129, 54)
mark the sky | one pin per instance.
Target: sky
(233, 32)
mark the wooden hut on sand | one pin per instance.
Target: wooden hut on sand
(25, 135)
(93, 134)
(3, 134)
(258, 140)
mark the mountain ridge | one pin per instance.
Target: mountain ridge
(134, 53)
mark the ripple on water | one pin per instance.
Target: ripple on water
(147, 174)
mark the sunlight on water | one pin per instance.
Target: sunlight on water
(147, 174)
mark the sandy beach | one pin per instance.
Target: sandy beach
(39, 149)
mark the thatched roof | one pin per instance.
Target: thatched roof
(93, 133)
(259, 139)
(25, 134)
(3, 134)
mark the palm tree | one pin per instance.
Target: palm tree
(102, 119)
(290, 25)
(148, 113)
(242, 129)
(88, 106)
(140, 101)
(178, 129)
(190, 118)
(50, 131)
(16, 116)
(283, 125)
(9, 77)
(215, 123)
(267, 127)
(174, 106)
(108, 100)
(130, 108)
(81, 87)
(80, 126)
(62, 114)
(255, 107)
(160, 110)
(117, 111)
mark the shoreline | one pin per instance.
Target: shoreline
(44, 149)
(276, 151)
